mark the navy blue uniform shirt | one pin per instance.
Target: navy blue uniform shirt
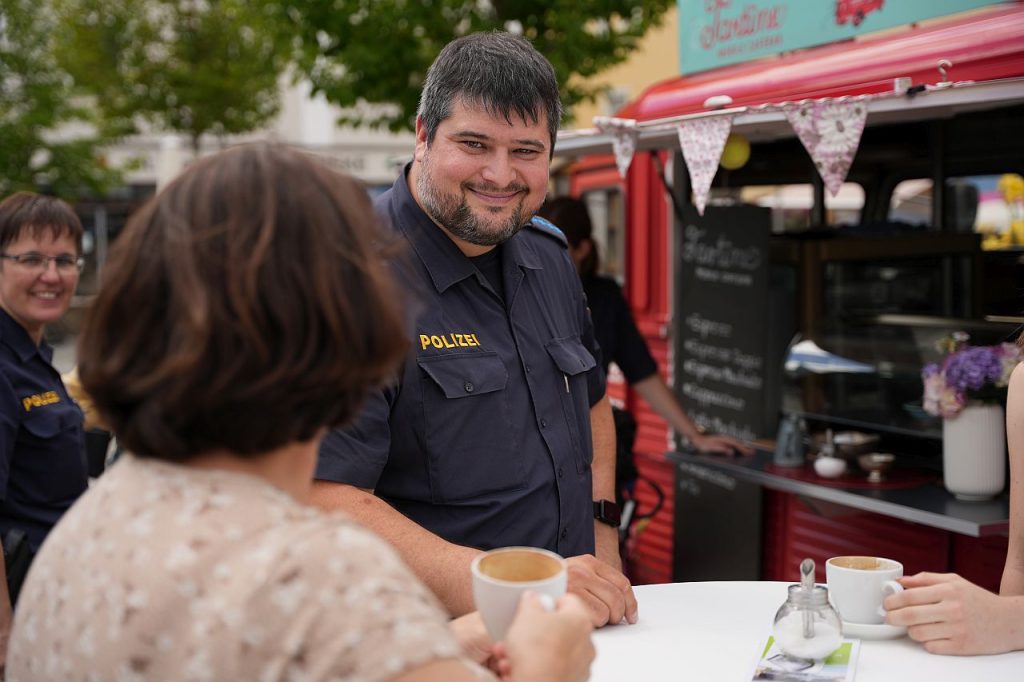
(485, 439)
(615, 329)
(42, 444)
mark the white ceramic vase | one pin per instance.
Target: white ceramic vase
(974, 452)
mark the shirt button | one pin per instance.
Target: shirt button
(469, 387)
(529, 369)
(543, 423)
(565, 533)
(561, 473)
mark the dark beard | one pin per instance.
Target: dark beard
(454, 214)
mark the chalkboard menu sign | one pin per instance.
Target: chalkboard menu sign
(721, 319)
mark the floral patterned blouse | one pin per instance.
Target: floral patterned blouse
(164, 572)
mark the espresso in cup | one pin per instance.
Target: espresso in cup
(500, 577)
(859, 584)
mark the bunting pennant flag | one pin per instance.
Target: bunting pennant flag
(624, 134)
(702, 141)
(830, 132)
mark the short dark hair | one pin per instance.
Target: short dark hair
(38, 214)
(572, 217)
(500, 71)
(247, 306)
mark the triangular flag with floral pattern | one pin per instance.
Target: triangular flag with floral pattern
(624, 134)
(830, 132)
(702, 141)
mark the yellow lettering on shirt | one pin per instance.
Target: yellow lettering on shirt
(39, 400)
(448, 341)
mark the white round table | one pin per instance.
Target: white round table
(711, 631)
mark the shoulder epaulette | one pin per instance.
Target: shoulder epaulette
(550, 229)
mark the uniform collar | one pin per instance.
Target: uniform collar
(443, 260)
(18, 340)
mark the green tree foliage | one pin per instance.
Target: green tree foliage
(378, 51)
(47, 138)
(188, 66)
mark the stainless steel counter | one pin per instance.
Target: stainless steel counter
(930, 505)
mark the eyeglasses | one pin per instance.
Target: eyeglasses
(37, 262)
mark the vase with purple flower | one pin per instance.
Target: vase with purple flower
(967, 389)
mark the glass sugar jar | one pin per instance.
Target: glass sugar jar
(824, 629)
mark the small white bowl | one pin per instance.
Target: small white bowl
(829, 467)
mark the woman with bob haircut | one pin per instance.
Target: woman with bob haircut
(245, 310)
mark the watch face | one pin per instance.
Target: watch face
(608, 512)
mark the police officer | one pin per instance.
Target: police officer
(42, 445)
(498, 431)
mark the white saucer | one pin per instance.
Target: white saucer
(873, 630)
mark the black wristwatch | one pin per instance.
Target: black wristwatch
(607, 512)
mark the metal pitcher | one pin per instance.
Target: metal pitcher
(789, 442)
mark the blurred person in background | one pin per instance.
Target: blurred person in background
(949, 614)
(619, 338)
(245, 311)
(42, 454)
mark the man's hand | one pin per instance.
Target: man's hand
(950, 615)
(606, 593)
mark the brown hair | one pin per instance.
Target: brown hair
(39, 214)
(247, 306)
(572, 217)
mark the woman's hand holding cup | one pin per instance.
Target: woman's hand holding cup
(547, 645)
(541, 633)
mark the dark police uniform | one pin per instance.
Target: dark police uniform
(42, 446)
(615, 329)
(485, 439)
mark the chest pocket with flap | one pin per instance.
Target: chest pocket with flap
(471, 445)
(574, 361)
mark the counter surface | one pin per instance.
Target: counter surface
(930, 505)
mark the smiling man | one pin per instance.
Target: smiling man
(497, 432)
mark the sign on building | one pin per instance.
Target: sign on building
(715, 33)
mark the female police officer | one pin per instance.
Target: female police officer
(42, 455)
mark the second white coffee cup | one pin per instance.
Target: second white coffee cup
(858, 585)
(500, 577)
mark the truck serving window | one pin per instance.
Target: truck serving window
(791, 204)
(987, 204)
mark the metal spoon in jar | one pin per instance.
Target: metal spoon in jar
(807, 584)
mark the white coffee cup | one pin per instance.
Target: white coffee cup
(500, 577)
(858, 585)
